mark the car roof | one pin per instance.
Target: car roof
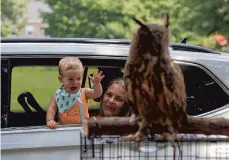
(68, 42)
(215, 61)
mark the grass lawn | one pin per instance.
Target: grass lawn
(40, 81)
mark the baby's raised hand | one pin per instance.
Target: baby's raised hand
(97, 77)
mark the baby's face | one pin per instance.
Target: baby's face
(72, 80)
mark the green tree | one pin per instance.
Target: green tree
(102, 18)
(12, 16)
(196, 20)
(203, 18)
(208, 17)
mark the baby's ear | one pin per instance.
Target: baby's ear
(166, 20)
(60, 78)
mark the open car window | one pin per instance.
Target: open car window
(31, 90)
(33, 86)
(40, 81)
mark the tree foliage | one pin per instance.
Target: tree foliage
(207, 16)
(102, 18)
(201, 19)
(12, 16)
(112, 18)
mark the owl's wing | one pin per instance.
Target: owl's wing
(133, 107)
(175, 94)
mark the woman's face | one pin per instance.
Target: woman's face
(113, 100)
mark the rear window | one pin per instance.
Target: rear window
(203, 93)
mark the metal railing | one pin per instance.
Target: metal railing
(191, 147)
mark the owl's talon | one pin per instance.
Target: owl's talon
(128, 137)
(138, 136)
(164, 136)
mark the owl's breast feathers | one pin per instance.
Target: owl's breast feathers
(138, 73)
(156, 86)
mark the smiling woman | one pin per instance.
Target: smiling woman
(113, 102)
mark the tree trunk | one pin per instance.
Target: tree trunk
(122, 126)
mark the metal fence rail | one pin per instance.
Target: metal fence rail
(192, 147)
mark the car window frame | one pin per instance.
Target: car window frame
(121, 64)
(216, 79)
(207, 71)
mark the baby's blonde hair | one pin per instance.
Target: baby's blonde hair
(67, 63)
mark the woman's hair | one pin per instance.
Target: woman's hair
(126, 110)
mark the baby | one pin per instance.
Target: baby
(70, 99)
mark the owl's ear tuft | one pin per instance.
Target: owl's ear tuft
(145, 27)
(138, 22)
(166, 20)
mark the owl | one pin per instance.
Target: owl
(154, 83)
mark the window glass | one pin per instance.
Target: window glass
(41, 82)
(91, 102)
(110, 74)
(203, 93)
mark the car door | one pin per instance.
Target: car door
(26, 87)
(5, 85)
(31, 82)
